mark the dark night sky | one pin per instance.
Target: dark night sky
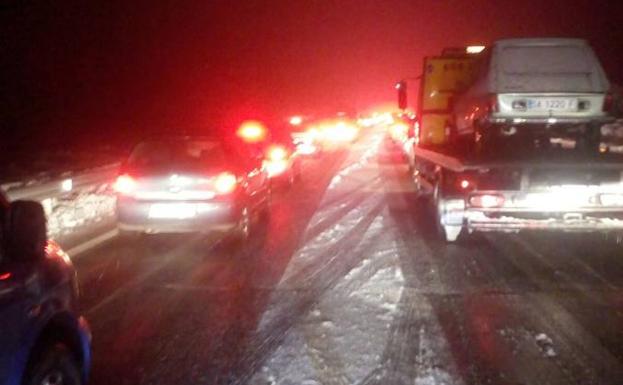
(94, 70)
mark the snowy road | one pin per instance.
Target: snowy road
(351, 286)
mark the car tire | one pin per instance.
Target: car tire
(54, 364)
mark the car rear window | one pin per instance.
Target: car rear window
(545, 60)
(186, 155)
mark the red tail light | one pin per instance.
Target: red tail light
(608, 102)
(125, 184)
(486, 200)
(252, 131)
(277, 153)
(225, 183)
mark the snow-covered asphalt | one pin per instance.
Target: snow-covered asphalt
(348, 284)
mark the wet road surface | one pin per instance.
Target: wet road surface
(348, 284)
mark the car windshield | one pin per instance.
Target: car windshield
(311, 192)
(545, 60)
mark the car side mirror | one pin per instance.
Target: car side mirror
(26, 231)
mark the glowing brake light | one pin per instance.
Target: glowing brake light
(399, 130)
(225, 183)
(487, 200)
(125, 184)
(296, 120)
(252, 131)
(464, 184)
(473, 49)
(277, 153)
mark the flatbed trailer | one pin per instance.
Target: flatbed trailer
(511, 195)
(551, 181)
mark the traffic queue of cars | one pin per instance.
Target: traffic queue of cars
(168, 184)
(208, 184)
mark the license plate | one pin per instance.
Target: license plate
(552, 104)
(172, 211)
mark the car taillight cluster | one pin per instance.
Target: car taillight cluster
(486, 200)
(225, 183)
(276, 153)
(125, 184)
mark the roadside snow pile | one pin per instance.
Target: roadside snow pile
(25, 167)
(68, 215)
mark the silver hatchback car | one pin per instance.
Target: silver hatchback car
(190, 184)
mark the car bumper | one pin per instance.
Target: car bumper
(581, 219)
(586, 221)
(208, 217)
(549, 119)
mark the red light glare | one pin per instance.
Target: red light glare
(225, 183)
(277, 153)
(487, 201)
(125, 184)
(296, 120)
(251, 131)
(465, 184)
(275, 167)
(5, 276)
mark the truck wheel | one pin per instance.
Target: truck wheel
(447, 233)
(452, 233)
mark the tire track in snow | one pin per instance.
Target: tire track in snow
(580, 356)
(310, 282)
(458, 319)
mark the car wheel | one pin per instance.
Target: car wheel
(55, 365)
